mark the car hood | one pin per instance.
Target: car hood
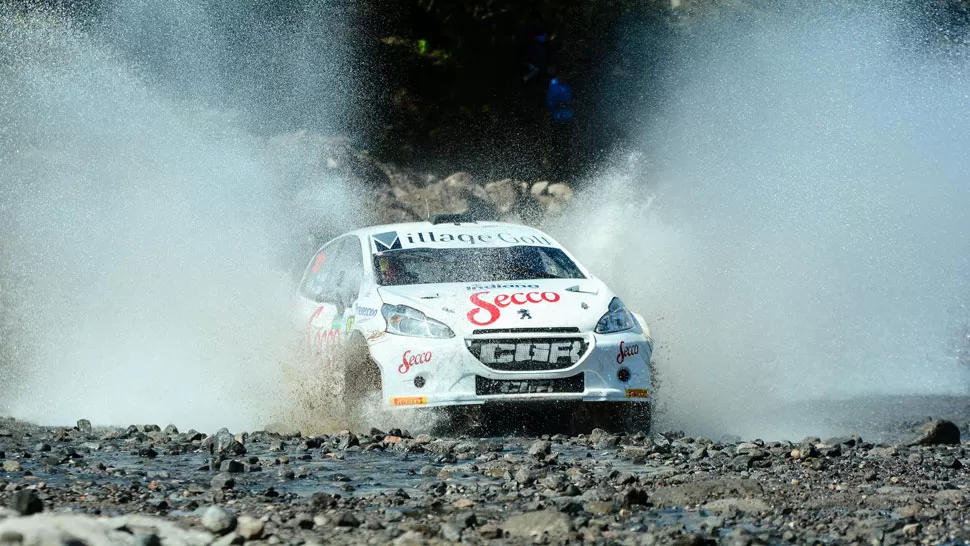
(547, 303)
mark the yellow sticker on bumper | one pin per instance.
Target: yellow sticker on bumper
(637, 393)
(409, 400)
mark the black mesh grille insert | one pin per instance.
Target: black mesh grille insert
(485, 386)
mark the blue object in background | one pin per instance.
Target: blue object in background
(558, 97)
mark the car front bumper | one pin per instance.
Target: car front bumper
(448, 372)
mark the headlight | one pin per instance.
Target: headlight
(408, 321)
(617, 319)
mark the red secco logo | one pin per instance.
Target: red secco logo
(629, 350)
(409, 360)
(493, 309)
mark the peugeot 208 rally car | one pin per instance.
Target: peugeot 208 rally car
(455, 313)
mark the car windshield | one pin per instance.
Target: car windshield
(483, 264)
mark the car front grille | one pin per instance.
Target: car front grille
(528, 354)
(485, 386)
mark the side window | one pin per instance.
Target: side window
(320, 274)
(350, 270)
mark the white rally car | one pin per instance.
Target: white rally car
(451, 312)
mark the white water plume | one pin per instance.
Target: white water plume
(143, 226)
(794, 226)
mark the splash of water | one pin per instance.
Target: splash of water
(794, 223)
(142, 276)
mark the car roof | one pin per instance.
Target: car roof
(427, 225)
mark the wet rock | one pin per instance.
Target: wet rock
(830, 450)
(73, 529)
(218, 520)
(12, 466)
(540, 448)
(703, 490)
(441, 446)
(232, 466)
(223, 481)
(26, 502)
(694, 539)
(849, 441)
(637, 454)
(171, 430)
(745, 448)
(748, 506)
(250, 528)
(84, 426)
(937, 432)
(524, 476)
(224, 443)
(608, 442)
(450, 532)
(322, 501)
(634, 496)
(229, 539)
(538, 523)
(599, 508)
(490, 531)
(346, 519)
(740, 463)
(346, 439)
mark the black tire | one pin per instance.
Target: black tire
(362, 377)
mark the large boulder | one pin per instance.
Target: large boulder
(938, 432)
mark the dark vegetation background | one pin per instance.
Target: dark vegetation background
(438, 85)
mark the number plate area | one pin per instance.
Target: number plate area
(485, 386)
(528, 354)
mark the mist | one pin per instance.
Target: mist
(792, 219)
(147, 227)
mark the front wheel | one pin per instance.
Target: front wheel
(621, 416)
(362, 385)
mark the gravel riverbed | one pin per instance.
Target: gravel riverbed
(148, 485)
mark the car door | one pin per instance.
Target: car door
(324, 292)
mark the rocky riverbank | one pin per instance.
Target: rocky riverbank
(147, 485)
(333, 186)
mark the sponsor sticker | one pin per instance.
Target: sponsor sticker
(488, 310)
(627, 350)
(501, 286)
(318, 262)
(409, 400)
(637, 393)
(411, 359)
(366, 312)
(392, 240)
(565, 352)
(386, 241)
(321, 340)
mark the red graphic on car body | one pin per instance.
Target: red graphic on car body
(625, 351)
(410, 360)
(493, 309)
